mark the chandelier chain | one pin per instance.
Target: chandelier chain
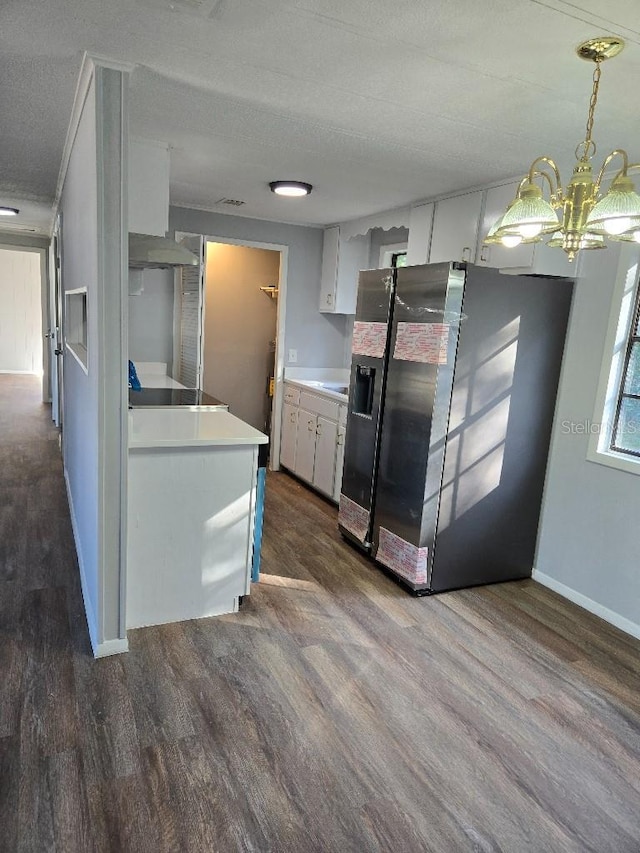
(592, 105)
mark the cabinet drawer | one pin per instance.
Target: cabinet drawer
(291, 394)
(320, 405)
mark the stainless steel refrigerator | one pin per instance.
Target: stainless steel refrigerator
(453, 384)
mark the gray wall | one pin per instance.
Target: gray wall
(151, 319)
(318, 338)
(588, 537)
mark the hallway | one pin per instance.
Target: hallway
(333, 713)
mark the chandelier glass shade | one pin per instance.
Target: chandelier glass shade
(580, 215)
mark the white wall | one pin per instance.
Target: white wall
(95, 395)
(20, 312)
(151, 319)
(318, 338)
(588, 537)
(80, 269)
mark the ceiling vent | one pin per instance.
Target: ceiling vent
(234, 202)
(199, 8)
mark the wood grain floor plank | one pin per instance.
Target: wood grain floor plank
(69, 803)
(108, 734)
(10, 769)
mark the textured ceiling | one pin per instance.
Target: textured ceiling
(376, 103)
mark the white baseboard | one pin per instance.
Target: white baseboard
(107, 647)
(589, 604)
(111, 647)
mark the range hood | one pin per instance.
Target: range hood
(158, 253)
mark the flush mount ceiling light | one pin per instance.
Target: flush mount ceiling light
(290, 188)
(9, 211)
(588, 215)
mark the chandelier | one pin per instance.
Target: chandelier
(587, 214)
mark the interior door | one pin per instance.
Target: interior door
(188, 370)
(54, 334)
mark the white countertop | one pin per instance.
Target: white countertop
(187, 427)
(323, 388)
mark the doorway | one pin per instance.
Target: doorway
(240, 328)
(21, 312)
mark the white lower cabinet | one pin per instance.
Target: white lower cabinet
(324, 466)
(337, 484)
(306, 445)
(312, 440)
(289, 435)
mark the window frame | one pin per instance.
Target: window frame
(624, 302)
(632, 338)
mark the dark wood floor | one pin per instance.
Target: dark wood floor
(333, 713)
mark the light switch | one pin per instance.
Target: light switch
(293, 356)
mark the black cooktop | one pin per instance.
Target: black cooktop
(161, 397)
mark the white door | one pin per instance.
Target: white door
(54, 333)
(188, 371)
(306, 445)
(337, 483)
(455, 228)
(288, 436)
(325, 462)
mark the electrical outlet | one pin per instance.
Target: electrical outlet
(293, 356)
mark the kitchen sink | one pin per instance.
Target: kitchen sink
(337, 388)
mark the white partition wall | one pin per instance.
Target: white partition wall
(95, 284)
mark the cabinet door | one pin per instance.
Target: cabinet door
(455, 228)
(288, 436)
(306, 445)
(325, 462)
(420, 222)
(148, 187)
(353, 256)
(337, 483)
(329, 277)
(495, 255)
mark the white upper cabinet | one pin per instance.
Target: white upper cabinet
(342, 261)
(495, 255)
(420, 223)
(148, 187)
(535, 258)
(455, 228)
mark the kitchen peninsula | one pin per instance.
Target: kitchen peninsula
(192, 506)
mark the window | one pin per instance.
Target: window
(626, 426)
(392, 255)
